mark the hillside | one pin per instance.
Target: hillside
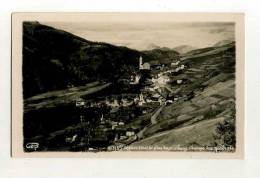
(210, 88)
(184, 49)
(54, 59)
(223, 42)
(197, 53)
(161, 55)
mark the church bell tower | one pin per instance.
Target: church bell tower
(141, 62)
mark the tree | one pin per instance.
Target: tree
(226, 131)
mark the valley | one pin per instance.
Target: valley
(110, 98)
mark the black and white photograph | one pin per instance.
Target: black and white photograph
(138, 85)
(129, 89)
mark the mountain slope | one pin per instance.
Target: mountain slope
(208, 96)
(54, 59)
(184, 49)
(184, 136)
(223, 42)
(161, 55)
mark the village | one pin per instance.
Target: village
(84, 95)
(106, 121)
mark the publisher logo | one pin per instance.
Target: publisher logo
(32, 146)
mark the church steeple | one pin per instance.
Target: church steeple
(140, 62)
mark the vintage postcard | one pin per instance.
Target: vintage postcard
(134, 85)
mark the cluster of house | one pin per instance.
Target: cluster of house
(117, 103)
(134, 78)
(175, 63)
(105, 133)
(112, 102)
(119, 129)
(161, 80)
(177, 69)
(81, 103)
(150, 98)
(139, 100)
(127, 134)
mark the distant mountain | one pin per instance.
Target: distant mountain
(161, 56)
(54, 59)
(152, 46)
(184, 49)
(223, 42)
(202, 52)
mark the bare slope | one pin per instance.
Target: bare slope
(197, 134)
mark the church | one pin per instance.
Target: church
(143, 66)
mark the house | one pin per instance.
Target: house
(110, 102)
(149, 100)
(175, 63)
(121, 123)
(125, 102)
(179, 81)
(91, 149)
(130, 133)
(80, 103)
(122, 137)
(141, 100)
(161, 100)
(156, 95)
(135, 79)
(114, 125)
(146, 66)
(168, 102)
(136, 99)
(179, 68)
(163, 80)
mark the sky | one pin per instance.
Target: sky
(144, 35)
